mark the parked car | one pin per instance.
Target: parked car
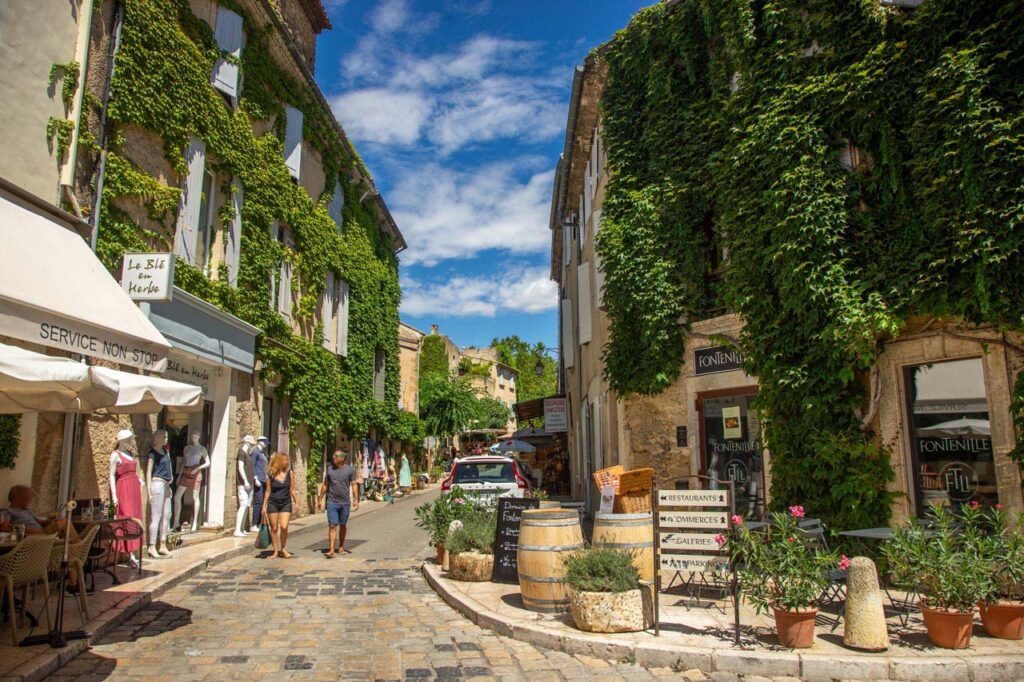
(488, 475)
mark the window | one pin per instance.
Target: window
(293, 141)
(190, 206)
(732, 447)
(284, 289)
(230, 37)
(207, 223)
(335, 207)
(378, 374)
(951, 437)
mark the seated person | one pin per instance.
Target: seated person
(20, 512)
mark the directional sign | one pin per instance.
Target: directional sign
(690, 541)
(693, 563)
(693, 519)
(693, 498)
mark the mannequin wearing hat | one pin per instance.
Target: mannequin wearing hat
(158, 482)
(260, 462)
(126, 487)
(190, 477)
(244, 478)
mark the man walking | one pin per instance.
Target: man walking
(260, 460)
(339, 487)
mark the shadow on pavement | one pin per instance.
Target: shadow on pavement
(157, 618)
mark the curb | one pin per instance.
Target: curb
(808, 666)
(36, 670)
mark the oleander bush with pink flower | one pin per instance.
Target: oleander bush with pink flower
(779, 566)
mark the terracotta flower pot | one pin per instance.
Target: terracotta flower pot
(1003, 620)
(795, 628)
(948, 629)
(440, 554)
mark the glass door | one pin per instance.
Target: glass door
(731, 448)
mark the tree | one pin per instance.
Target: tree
(491, 413)
(524, 356)
(433, 358)
(447, 404)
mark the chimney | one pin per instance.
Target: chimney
(434, 330)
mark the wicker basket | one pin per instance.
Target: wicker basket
(609, 476)
(635, 490)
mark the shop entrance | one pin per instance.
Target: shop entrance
(179, 425)
(730, 440)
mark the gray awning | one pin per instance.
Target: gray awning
(194, 326)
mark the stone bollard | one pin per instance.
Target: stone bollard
(864, 620)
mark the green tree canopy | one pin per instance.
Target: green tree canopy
(524, 356)
(491, 413)
(447, 404)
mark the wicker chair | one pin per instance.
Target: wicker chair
(27, 564)
(78, 555)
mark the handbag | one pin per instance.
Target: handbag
(263, 537)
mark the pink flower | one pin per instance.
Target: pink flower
(998, 506)
(459, 500)
(796, 511)
(844, 562)
(720, 539)
(974, 504)
(790, 539)
(737, 520)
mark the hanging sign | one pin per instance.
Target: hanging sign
(716, 359)
(693, 498)
(732, 427)
(148, 276)
(506, 541)
(556, 415)
(717, 520)
(188, 371)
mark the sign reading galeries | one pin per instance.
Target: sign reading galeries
(148, 276)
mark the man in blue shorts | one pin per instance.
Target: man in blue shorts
(339, 487)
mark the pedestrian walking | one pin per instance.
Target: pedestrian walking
(340, 489)
(277, 502)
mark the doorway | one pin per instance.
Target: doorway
(179, 425)
(730, 439)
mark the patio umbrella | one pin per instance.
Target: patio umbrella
(513, 446)
(33, 382)
(958, 427)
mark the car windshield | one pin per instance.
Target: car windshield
(484, 472)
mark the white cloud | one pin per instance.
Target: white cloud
(390, 16)
(450, 214)
(526, 290)
(383, 116)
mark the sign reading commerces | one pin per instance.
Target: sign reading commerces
(716, 359)
(148, 276)
(556, 415)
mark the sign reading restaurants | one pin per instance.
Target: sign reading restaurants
(716, 359)
(148, 276)
(556, 415)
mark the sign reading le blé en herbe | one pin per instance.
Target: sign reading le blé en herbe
(148, 276)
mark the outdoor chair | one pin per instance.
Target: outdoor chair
(815, 535)
(108, 549)
(24, 566)
(78, 557)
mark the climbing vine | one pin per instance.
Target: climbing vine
(161, 85)
(849, 166)
(10, 438)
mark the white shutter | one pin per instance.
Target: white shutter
(581, 227)
(284, 298)
(274, 231)
(229, 37)
(293, 141)
(583, 301)
(568, 344)
(334, 208)
(588, 192)
(233, 248)
(191, 202)
(342, 321)
(598, 269)
(566, 245)
(327, 312)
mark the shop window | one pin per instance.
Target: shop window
(731, 449)
(378, 374)
(951, 436)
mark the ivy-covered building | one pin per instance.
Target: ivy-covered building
(195, 127)
(788, 244)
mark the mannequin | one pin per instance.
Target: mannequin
(405, 473)
(191, 478)
(260, 461)
(245, 477)
(158, 483)
(126, 488)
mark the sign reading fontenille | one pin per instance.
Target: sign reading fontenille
(716, 359)
(693, 498)
(148, 276)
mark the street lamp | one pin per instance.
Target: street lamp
(539, 368)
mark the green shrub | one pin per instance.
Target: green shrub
(601, 569)
(476, 535)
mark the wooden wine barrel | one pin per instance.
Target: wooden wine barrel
(546, 536)
(630, 532)
(550, 504)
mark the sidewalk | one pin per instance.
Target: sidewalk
(110, 605)
(700, 637)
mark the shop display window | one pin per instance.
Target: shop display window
(732, 449)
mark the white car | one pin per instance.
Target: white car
(487, 475)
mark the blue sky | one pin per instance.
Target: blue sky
(458, 108)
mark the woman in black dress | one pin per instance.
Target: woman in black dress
(277, 502)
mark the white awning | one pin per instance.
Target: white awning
(33, 382)
(56, 293)
(141, 394)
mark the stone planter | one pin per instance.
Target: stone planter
(795, 628)
(607, 611)
(1004, 620)
(948, 629)
(471, 567)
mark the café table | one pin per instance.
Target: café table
(871, 533)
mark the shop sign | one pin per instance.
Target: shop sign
(693, 563)
(716, 359)
(693, 519)
(693, 498)
(506, 541)
(189, 372)
(556, 415)
(148, 276)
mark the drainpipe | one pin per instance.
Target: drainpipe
(101, 173)
(67, 174)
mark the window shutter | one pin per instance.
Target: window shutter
(229, 37)
(566, 245)
(581, 227)
(191, 202)
(284, 298)
(583, 301)
(336, 206)
(327, 312)
(342, 321)
(275, 231)
(588, 190)
(293, 141)
(598, 269)
(568, 343)
(233, 248)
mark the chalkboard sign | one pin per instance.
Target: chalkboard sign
(510, 513)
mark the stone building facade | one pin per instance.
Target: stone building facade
(410, 342)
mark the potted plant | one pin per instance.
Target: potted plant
(604, 590)
(1002, 609)
(946, 564)
(471, 546)
(780, 572)
(437, 516)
